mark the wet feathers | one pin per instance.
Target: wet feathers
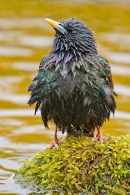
(74, 86)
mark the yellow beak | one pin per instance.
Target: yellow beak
(53, 23)
(56, 25)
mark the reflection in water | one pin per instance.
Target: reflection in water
(121, 89)
(9, 80)
(16, 98)
(14, 51)
(117, 38)
(23, 41)
(118, 57)
(122, 115)
(36, 41)
(26, 66)
(22, 23)
(120, 70)
(18, 112)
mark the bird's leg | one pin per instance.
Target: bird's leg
(99, 136)
(55, 140)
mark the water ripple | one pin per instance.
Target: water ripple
(121, 89)
(120, 70)
(36, 41)
(26, 66)
(14, 51)
(118, 57)
(22, 23)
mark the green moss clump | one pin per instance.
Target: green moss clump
(80, 165)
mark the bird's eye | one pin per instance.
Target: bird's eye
(74, 32)
(69, 31)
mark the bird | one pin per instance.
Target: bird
(74, 86)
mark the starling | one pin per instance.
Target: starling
(73, 87)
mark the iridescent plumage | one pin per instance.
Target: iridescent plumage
(74, 86)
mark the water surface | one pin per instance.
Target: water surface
(24, 38)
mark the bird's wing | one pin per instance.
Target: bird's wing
(105, 67)
(43, 83)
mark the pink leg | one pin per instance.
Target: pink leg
(55, 140)
(99, 135)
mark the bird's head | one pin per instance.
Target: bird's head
(74, 37)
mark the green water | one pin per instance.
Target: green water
(24, 38)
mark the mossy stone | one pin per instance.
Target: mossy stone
(80, 166)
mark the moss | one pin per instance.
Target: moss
(80, 165)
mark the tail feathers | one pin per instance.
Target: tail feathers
(31, 87)
(113, 106)
(115, 94)
(32, 100)
(37, 106)
(45, 115)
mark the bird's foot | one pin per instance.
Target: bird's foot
(55, 141)
(54, 144)
(99, 136)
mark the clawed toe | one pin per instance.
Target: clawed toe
(99, 136)
(100, 139)
(54, 144)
